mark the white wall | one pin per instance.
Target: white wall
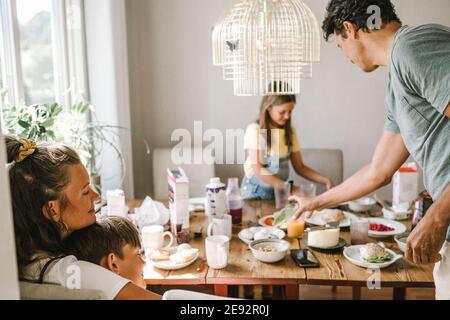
(106, 46)
(173, 83)
(9, 286)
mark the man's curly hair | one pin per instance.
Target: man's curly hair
(355, 11)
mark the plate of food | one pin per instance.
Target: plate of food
(278, 219)
(371, 255)
(268, 221)
(173, 258)
(323, 217)
(260, 233)
(382, 228)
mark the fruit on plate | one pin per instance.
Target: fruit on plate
(269, 221)
(374, 253)
(380, 227)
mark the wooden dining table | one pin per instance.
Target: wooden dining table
(244, 269)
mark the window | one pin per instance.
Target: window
(36, 50)
(42, 53)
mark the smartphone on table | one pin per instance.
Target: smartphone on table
(305, 258)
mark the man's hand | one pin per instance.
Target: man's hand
(425, 241)
(427, 238)
(304, 204)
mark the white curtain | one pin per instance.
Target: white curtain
(107, 57)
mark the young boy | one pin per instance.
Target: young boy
(113, 243)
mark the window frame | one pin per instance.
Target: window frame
(62, 56)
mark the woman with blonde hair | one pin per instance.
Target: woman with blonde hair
(271, 143)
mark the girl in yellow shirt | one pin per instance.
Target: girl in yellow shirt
(271, 143)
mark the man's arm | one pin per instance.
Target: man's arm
(389, 156)
(427, 238)
(447, 111)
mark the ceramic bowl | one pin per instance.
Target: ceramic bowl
(278, 248)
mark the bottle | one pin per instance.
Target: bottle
(234, 200)
(178, 184)
(216, 199)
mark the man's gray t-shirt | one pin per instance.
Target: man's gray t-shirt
(418, 94)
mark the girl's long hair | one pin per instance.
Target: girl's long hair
(40, 178)
(264, 119)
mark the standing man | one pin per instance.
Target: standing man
(371, 35)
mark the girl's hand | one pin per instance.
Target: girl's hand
(329, 184)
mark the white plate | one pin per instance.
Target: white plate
(317, 221)
(169, 265)
(277, 233)
(352, 254)
(261, 223)
(398, 228)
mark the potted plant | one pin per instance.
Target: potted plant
(76, 126)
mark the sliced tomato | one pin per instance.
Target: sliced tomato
(268, 221)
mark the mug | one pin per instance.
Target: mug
(153, 237)
(220, 226)
(217, 248)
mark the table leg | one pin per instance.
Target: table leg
(356, 292)
(221, 290)
(399, 293)
(292, 292)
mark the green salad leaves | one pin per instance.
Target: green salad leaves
(282, 216)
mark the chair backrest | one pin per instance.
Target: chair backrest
(34, 291)
(191, 295)
(328, 162)
(198, 174)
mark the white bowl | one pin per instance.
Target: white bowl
(394, 215)
(362, 205)
(401, 241)
(281, 248)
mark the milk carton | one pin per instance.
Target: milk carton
(115, 200)
(405, 184)
(179, 204)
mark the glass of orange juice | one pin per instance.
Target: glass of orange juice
(296, 228)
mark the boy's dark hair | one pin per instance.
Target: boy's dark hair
(355, 11)
(107, 235)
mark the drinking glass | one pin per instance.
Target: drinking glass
(282, 196)
(359, 231)
(308, 190)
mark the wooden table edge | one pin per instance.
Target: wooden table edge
(358, 283)
(174, 282)
(255, 281)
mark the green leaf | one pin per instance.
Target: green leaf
(24, 124)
